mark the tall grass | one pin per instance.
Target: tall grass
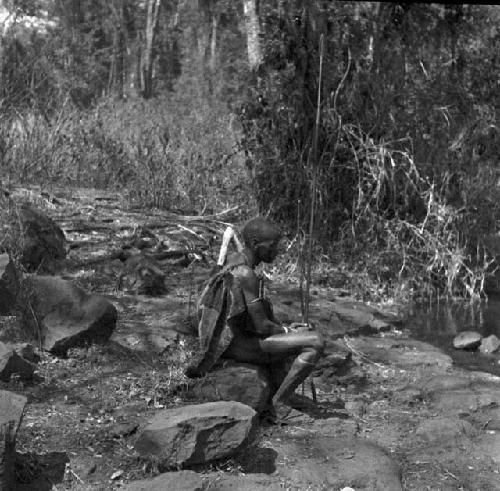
(407, 235)
(159, 153)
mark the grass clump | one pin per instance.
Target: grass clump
(407, 235)
(159, 153)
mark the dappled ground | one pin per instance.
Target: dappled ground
(437, 424)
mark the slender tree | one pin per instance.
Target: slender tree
(253, 33)
(152, 16)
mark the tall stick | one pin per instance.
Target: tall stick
(314, 184)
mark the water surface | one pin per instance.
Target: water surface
(439, 323)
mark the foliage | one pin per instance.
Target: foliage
(407, 140)
(406, 178)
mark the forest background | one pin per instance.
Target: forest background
(199, 105)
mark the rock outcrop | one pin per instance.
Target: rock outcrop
(196, 434)
(64, 315)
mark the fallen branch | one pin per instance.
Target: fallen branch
(123, 255)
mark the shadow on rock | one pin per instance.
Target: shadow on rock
(256, 459)
(319, 409)
(40, 472)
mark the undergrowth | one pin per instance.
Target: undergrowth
(406, 235)
(159, 153)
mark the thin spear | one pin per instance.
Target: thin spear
(314, 185)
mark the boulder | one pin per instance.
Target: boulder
(11, 413)
(142, 275)
(365, 317)
(11, 363)
(43, 241)
(467, 340)
(64, 315)
(241, 382)
(196, 434)
(489, 344)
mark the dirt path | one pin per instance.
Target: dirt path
(401, 415)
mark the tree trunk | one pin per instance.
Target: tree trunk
(253, 33)
(213, 42)
(153, 10)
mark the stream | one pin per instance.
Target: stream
(439, 323)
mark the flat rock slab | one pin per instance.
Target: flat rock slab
(404, 353)
(467, 340)
(196, 434)
(364, 317)
(241, 382)
(13, 364)
(192, 481)
(465, 401)
(67, 315)
(314, 462)
(180, 481)
(443, 428)
(445, 382)
(248, 482)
